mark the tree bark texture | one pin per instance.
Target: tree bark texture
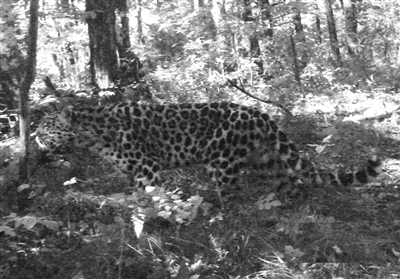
(103, 47)
(318, 29)
(296, 68)
(124, 41)
(24, 120)
(350, 13)
(140, 35)
(302, 58)
(333, 38)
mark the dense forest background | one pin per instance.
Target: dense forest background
(327, 70)
(186, 51)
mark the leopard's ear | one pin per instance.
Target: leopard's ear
(68, 114)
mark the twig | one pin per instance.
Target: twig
(259, 99)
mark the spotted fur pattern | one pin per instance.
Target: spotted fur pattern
(225, 137)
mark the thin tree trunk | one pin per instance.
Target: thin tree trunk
(125, 43)
(222, 34)
(350, 12)
(318, 29)
(302, 57)
(255, 49)
(140, 34)
(24, 121)
(197, 4)
(334, 42)
(296, 67)
(318, 23)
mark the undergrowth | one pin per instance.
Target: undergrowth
(84, 222)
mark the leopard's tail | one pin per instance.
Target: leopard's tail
(360, 177)
(295, 186)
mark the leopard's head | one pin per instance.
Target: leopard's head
(55, 132)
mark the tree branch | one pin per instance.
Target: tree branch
(259, 99)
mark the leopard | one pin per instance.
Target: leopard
(144, 139)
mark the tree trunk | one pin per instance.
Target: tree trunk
(103, 46)
(318, 29)
(24, 121)
(124, 43)
(334, 42)
(255, 49)
(296, 67)
(318, 23)
(302, 58)
(140, 36)
(223, 36)
(197, 4)
(350, 12)
(218, 14)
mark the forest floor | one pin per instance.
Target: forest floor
(84, 222)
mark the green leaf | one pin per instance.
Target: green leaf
(27, 221)
(7, 230)
(23, 187)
